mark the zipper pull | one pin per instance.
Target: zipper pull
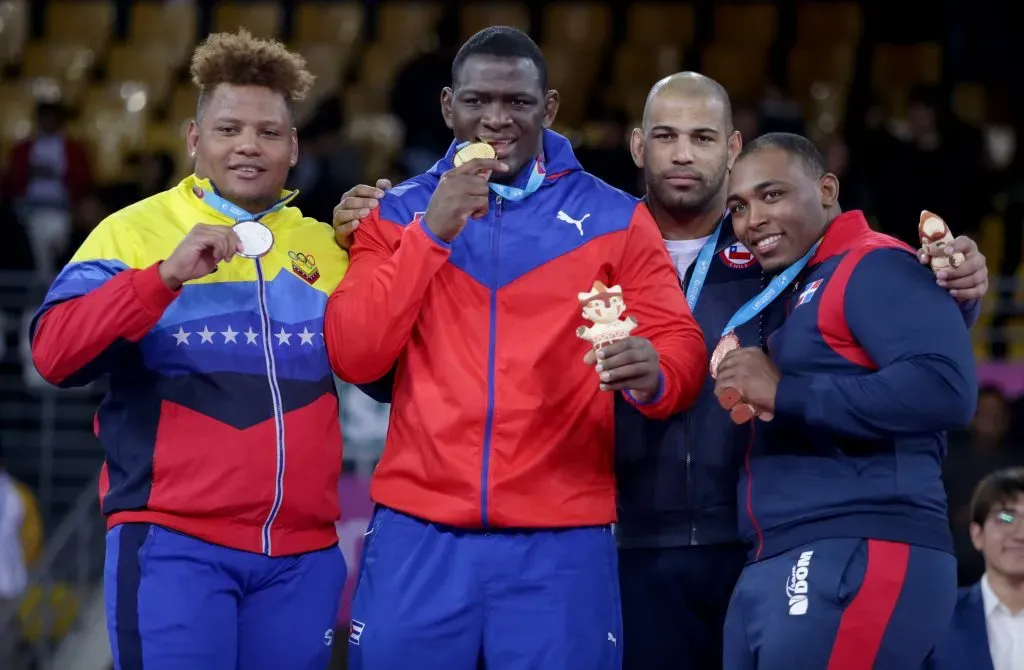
(498, 200)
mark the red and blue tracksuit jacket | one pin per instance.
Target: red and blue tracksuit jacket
(221, 420)
(495, 419)
(876, 364)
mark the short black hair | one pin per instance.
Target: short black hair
(797, 146)
(998, 488)
(504, 42)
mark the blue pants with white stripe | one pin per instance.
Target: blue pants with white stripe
(177, 603)
(841, 604)
(437, 598)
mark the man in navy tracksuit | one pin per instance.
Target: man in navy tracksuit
(852, 563)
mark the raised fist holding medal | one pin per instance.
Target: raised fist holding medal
(463, 191)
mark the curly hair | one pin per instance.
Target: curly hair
(243, 60)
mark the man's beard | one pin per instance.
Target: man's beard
(692, 202)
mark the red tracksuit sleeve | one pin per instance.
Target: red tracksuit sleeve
(655, 299)
(96, 303)
(371, 313)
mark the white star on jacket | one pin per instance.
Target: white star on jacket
(230, 335)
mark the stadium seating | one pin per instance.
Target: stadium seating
(262, 19)
(478, 15)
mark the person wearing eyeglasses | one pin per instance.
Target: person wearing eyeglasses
(987, 630)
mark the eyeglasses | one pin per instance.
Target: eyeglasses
(1007, 517)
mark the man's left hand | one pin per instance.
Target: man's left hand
(752, 374)
(967, 282)
(630, 365)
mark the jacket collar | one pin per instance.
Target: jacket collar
(559, 159)
(195, 190)
(726, 238)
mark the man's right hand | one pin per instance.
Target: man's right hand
(198, 254)
(461, 194)
(356, 204)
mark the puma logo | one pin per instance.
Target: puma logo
(562, 216)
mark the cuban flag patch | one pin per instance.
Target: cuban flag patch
(737, 256)
(808, 292)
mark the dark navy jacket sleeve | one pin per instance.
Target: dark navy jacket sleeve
(915, 334)
(381, 389)
(971, 310)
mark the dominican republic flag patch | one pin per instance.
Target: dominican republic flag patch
(808, 292)
(737, 256)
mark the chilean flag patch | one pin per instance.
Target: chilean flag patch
(737, 256)
(808, 292)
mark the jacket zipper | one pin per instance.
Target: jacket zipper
(491, 355)
(687, 431)
(689, 479)
(275, 395)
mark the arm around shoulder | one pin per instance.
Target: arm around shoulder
(371, 313)
(912, 336)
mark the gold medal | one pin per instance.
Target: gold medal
(474, 150)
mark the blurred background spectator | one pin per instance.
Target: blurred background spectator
(917, 110)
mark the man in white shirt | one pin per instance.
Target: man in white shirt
(987, 631)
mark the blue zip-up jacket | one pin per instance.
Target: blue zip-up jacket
(677, 477)
(876, 364)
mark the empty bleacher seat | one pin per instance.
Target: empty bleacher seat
(84, 23)
(740, 70)
(171, 25)
(408, 21)
(585, 27)
(149, 65)
(828, 24)
(746, 26)
(113, 121)
(476, 16)
(339, 22)
(661, 23)
(572, 75)
(644, 64)
(262, 19)
(67, 66)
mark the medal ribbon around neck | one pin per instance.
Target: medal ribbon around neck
(703, 264)
(257, 239)
(758, 303)
(537, 174)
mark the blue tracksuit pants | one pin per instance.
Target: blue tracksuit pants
(177, 603)
(841, 604)
(436, 598)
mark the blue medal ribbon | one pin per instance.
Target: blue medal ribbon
(758, 303)
(537, 174)
(702, 265)
(229, 209)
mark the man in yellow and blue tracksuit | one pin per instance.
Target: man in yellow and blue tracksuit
(203, 306)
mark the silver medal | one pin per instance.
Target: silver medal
(255, 237)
